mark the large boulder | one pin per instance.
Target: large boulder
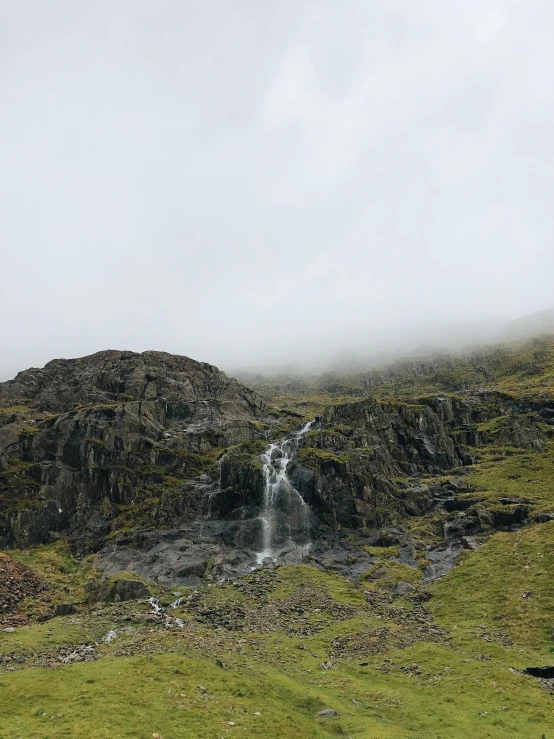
(115, 591)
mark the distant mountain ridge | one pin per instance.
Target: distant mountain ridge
(532, 324)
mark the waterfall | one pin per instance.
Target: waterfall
(285, 515)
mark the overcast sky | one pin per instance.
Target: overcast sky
(248, 181)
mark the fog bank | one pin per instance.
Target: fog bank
(253, 184)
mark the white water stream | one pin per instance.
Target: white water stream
(159, 611)
(285, 515)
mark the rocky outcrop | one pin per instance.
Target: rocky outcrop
(83, 441)
(116, 591)
(351, 468)
(348, 467)
(120, 377)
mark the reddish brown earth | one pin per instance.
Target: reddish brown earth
(17, 583)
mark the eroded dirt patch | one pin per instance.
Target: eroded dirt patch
(17, 583)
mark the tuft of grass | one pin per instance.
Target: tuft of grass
(311, 457)
(15, 409)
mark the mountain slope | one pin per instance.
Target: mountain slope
(426, 595)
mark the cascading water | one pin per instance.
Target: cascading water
(285, 515)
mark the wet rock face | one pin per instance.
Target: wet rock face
(182, 556)
(81, 438)
(347, 475)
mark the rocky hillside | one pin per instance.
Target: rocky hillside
(513, 366)
(116, 448)
(84, 441)
(422, 609)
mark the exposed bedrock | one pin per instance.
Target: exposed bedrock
(82, 441)
(117, 443)
(350, 468)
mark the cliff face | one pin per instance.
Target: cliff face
(360, 467)
(84, 441)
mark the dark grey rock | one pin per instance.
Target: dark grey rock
(505, 518)
(443, 559)
(106, 427)
(402, 588)
(114, 591)
(459, 485)
(65, 609)
(542, 672)
(543, 518)
(378, 573)
(470, 542)
(417, 500)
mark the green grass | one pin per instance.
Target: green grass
(425, 690)
(311, 457)
(292, 577)
(396, 572)
(517, 474)
(54, 633)
(138, 696)
(487, 588)
(15, 409)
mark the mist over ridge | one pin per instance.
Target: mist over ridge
(382, 351)
(414, 341)
(250, 184)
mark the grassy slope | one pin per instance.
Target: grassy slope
(488, 586)
(522, 474)
(462, 688)
(136, 697)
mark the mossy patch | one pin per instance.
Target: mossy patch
(15, 409)
(311, 457)
(291, 577)
(65, 575)
(517, 474)
(395, 572)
